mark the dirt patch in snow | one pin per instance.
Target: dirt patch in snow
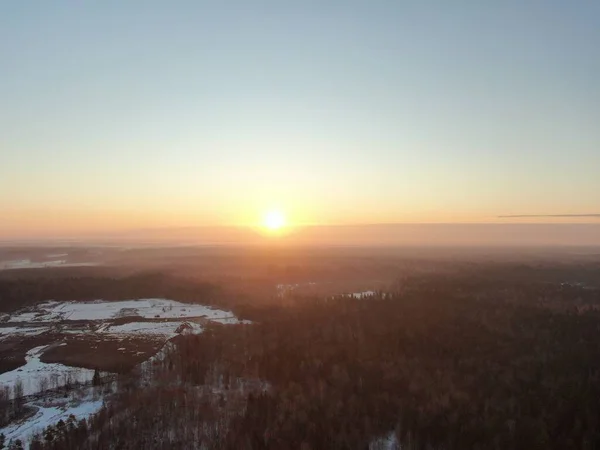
(14, 348)
(103, 353)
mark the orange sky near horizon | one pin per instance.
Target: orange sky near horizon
(64, 223)
(213, 114)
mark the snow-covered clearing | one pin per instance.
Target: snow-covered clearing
(102, 310)
(37, 375)
(28, 264)
(49, 414)
(21, 331)
(283, 289)
(167, 329)
(23, 317)
(389, 442)
(232, 320)
(363, 294)
(164, 320)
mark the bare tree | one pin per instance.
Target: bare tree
(18, 397)
(54, 380)
(5, 405)
(43, 384)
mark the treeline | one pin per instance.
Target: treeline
(444, 363)
(12, 403)
(19, 292)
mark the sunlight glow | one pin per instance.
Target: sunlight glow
(274, 220)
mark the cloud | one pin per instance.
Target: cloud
(523, 216)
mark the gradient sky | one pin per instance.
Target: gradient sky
(126, 114)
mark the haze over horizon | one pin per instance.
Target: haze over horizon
(509, 235)
(117, 117)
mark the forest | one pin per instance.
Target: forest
(470, 360)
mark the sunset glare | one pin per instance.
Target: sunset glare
(220, 115)
(274, 220)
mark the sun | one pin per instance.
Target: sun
(274, 220)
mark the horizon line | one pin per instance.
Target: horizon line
(525, 216)
(372, 224)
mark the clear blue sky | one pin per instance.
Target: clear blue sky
(119, 114)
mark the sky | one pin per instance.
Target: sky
(121, 115)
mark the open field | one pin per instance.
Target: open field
(56, 347)
(106, 335)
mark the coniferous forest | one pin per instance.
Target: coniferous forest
(479, 359)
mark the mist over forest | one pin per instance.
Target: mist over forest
(404, 235)
(300, 225)
(272, 347)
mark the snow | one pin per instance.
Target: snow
(147, 365)
(18, 331)
(168, 329)
(102, 310)
(49, 415)
(28, 264)
(36, 375)
(24, 317)
(34, 371)
(389, 442)
(231, 321)
(363, 294)
(160, 355)
(283, 289)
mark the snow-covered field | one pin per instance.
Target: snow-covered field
(49, 413)
(28, 264)
(167, 319)
(132, 329)
(167, 329)
(102, 310)
(50, 316)
(363, 294)
(21, 331)
(34, 374)
(156, 319)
